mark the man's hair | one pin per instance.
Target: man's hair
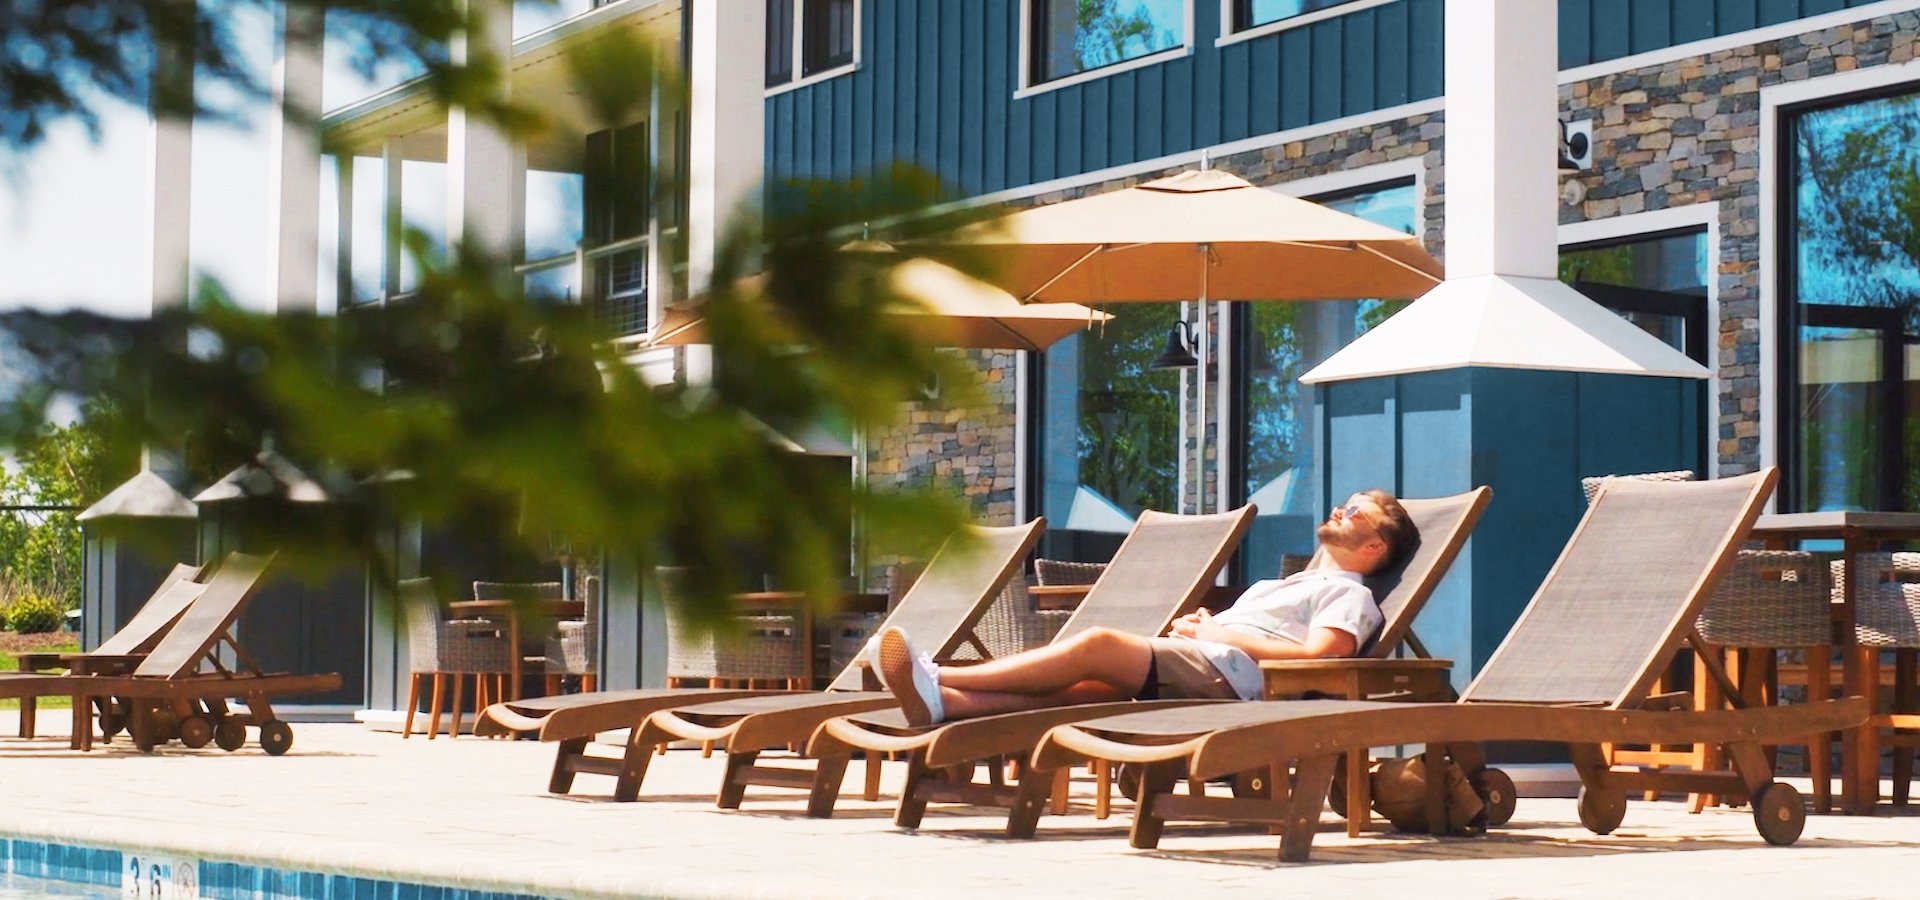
(1396, 528)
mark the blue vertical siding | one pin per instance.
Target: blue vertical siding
(1594, 31)
(937, 77)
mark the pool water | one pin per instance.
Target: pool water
(20, 887)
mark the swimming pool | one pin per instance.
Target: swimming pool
(20, 887)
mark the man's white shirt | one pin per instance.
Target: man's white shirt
(1289, 609)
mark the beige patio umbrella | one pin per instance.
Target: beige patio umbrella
(1146, 244)
(954, 310)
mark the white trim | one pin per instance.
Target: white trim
(1192, 157)
(1772, 98)
(1230, 36)
(1693, 215)
(1026, 88)
(1022, 431)
(1365, 176)
(799, 52)
(1737, 39)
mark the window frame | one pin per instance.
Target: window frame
(799, 78)
(1027, 87)
(1785, 317)
(1230, 34)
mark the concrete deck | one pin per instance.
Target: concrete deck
(474, 813)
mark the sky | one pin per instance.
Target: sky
(74, 211)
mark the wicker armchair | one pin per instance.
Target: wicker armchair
(1011, 625)
(439, 647)
(574, 648)
(765, 647)
(1059, 571)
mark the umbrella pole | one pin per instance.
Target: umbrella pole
(1200, 378)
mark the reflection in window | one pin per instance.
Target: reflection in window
(1107, 446)
(618, 210)
(1282, 341)
(1073, 36)
(819, 34)
(1658, 283)
(1853, 276)
(1254, 13)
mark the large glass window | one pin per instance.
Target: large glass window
(1279, 342)
(1850, 379)
(1073, 36)
(618, 210)
(1658, 282)
(819, 34)
(1255, 13)
(1107, 433)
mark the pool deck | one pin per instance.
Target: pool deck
(474, 813)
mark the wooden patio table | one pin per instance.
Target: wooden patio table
(512, 610)
(870, 602)
(1858, 532)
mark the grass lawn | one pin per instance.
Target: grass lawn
(56, 642)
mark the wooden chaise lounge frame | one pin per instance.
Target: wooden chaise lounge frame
(950, 596)
(1444, 523)
(181, 688)
(1164, 566)
(1576, 669)
(115, 655)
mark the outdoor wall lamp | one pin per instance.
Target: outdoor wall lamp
(1179, 351)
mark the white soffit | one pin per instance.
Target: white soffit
(1505, 322)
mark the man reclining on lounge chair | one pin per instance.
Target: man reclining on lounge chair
(1325, 611)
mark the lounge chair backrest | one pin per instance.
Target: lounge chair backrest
(1166, 564)
(1445, 524)
(208, 619)
(1617, 605)
(157, 615)
(956, 588)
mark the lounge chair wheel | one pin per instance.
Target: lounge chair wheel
(196, 732)
(112, 723)
(1128, 781)
(229, 735)
(1779, 814)
(1497, 792)
(275, 737)
(1254, 784)
(1602, 811)
(1337, 794)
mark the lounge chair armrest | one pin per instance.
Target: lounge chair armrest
(1670, 700)
(1356, 679)
(39, 661)
(90, 664)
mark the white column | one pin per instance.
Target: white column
(728, 79)
(293, 253)
(1501, 182)
(171, 208)
(392, 159)
(479, 157)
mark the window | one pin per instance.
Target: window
(1255, 13)
(1658, 282)
(1849, 379)
(618, 211)
(1073, 36)
(820, 35)
(1272, 414)
(1107, 434)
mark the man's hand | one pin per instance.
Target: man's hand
(1197, 625)
(1321, 642)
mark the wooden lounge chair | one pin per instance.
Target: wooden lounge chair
(1444, 525)
(182, 687)
(117, 654)
(949, 597)
(1576, 669)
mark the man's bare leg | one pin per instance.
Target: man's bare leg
(1115, 658)
(964, 704)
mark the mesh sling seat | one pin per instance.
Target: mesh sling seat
(115, 655)
(1575, 669)
(1165, 565)
(944, 602)
(1444, 525)
(181, 690)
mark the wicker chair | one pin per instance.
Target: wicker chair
(1060, 571)
(533, 630)
(1011, 625)
(438, 647)
(766, 647)
(574, 647)
(1886, 607)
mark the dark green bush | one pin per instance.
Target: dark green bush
(35, 614)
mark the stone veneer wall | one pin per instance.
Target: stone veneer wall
(970, 449)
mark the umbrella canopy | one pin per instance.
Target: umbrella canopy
(954, 310)
(1144, 244)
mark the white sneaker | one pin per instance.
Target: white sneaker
(912, 677)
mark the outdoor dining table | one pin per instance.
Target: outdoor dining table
(1858, 532)
(512, 610)
(854, 602)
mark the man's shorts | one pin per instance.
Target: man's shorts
(1181, 672)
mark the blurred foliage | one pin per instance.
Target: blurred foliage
(464, 405)
(35, 614)
(70, 466)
